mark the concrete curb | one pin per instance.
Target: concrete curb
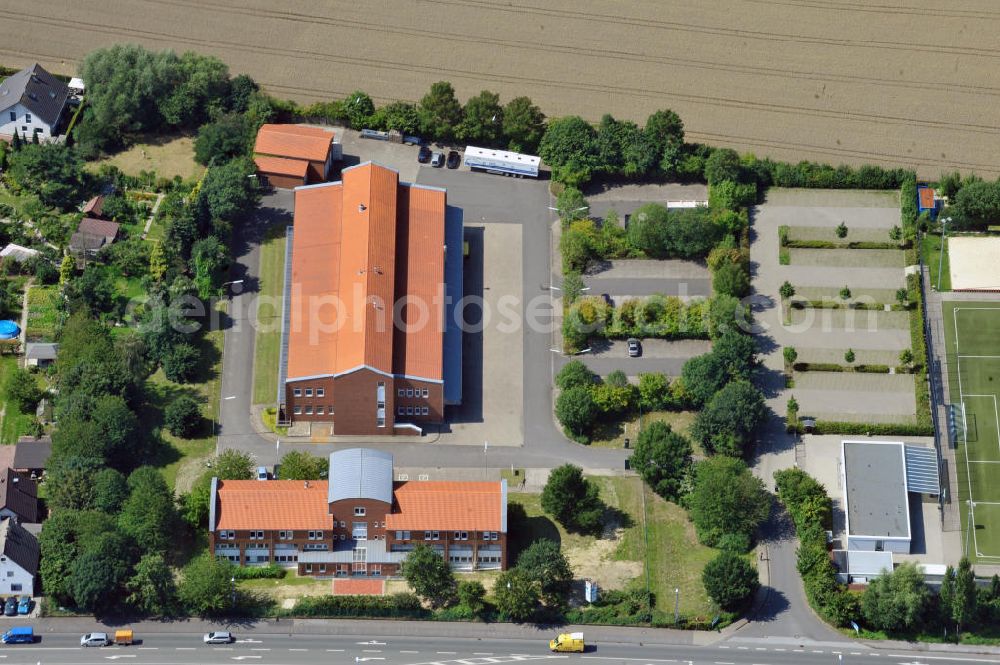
(930, 646)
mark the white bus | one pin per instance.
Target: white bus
(501, 161)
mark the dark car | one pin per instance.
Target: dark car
(454, 159)
(10, 607)
(424, 155)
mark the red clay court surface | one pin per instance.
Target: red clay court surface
(349, 587)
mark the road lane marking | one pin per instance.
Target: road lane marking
(184, 648)
(298, 649)
(372, 642)
(376, 651)
(335, 650)
(722, 662)
(260, 649)
(481, 653)
(923, 657)
(404, 651)
(452, 653)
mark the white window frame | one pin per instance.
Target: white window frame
(309, 409)
(409, 392)
(425, 393)
(297, 392)
(359, 511)
(321, 392)
(297, 409)
(319, 410)
(309, 392)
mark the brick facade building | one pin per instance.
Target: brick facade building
(359, 522)
(288, 156)
(371, 342)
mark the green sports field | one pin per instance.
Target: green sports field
(973, 347)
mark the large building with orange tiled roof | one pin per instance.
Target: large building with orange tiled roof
(359, 522)
(288, 156)
(370, 342)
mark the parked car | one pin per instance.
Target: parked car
(24, 605)
(19, 635)
(95, 640)
(454, 159)
(218, 637)
(261, 473)
(10, 607)
(606, 297)
(634, 347)
(437, 161)
(424, 155)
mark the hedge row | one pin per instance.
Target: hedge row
(270, 571)
(835, 367)
(855, 244)
(402, 605)
(873, 429)
(825, 176)
(832, 303)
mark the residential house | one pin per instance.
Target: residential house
(358, 522)
(31, 455)
(291, 155)
(94, 207)
(92, 235)
(18, 496)
(19, 555)
(386, 358)
(31, 102)
(40, 354)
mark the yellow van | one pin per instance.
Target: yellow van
(567, 642)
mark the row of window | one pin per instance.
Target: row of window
(375, 525)
(320, 410)
(457, 535)
(13, 117)
(282, 535)
(412, 392)
(411, 411)
(320, 392)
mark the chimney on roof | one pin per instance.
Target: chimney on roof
(307, 484)
(361, 207)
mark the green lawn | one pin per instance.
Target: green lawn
(43, 313)
(972, 333)
(184, 460)
(676, 559)
(613, 435)
(932, 257)
(167, 156)
(15, 423)
(268, 344)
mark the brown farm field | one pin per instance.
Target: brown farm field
(907, 83)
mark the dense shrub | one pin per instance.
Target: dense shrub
(271, 571)
(396, 605)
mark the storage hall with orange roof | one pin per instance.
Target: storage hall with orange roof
(370, 341)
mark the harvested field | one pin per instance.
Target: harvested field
(791, 80)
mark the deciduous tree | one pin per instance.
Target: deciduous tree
(662, 457)
(726, 498)
(730, 580)
(429, 575)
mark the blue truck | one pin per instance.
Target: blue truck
(19, 635)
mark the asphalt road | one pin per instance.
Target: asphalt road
(648, 287)
(267, 649)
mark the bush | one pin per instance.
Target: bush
(577, 411)
(729, 419)
(873, 429)
(405, 605)
(731, 280)
(730, 580)
(271, 571)
(726, 499)
(573, 499)
(575, 374)
(662, 457)
(182, 417)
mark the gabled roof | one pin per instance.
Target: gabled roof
(360, 473)
(448, 506)
(18, 545)
(271, 504)
(282, 166)
(99, 227)
(19, 494)
(32, 453)
(294, 141)
(361, 245)
(94, 207)
(37, 90)
(41, 351)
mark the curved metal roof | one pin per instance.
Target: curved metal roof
(360, 473)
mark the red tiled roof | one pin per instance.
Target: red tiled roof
(272, 504)
(94, 206)
(926, 197)
(295, 141)
(281, 166)
(446, 506)
(360, 246)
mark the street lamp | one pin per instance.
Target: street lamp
(677, 605)
(944, 223)
(232, 581)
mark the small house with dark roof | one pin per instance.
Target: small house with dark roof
(31, 455)
(40, 354)
(92, 235)
(19, 555)
(32, 101)
(18, 496)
